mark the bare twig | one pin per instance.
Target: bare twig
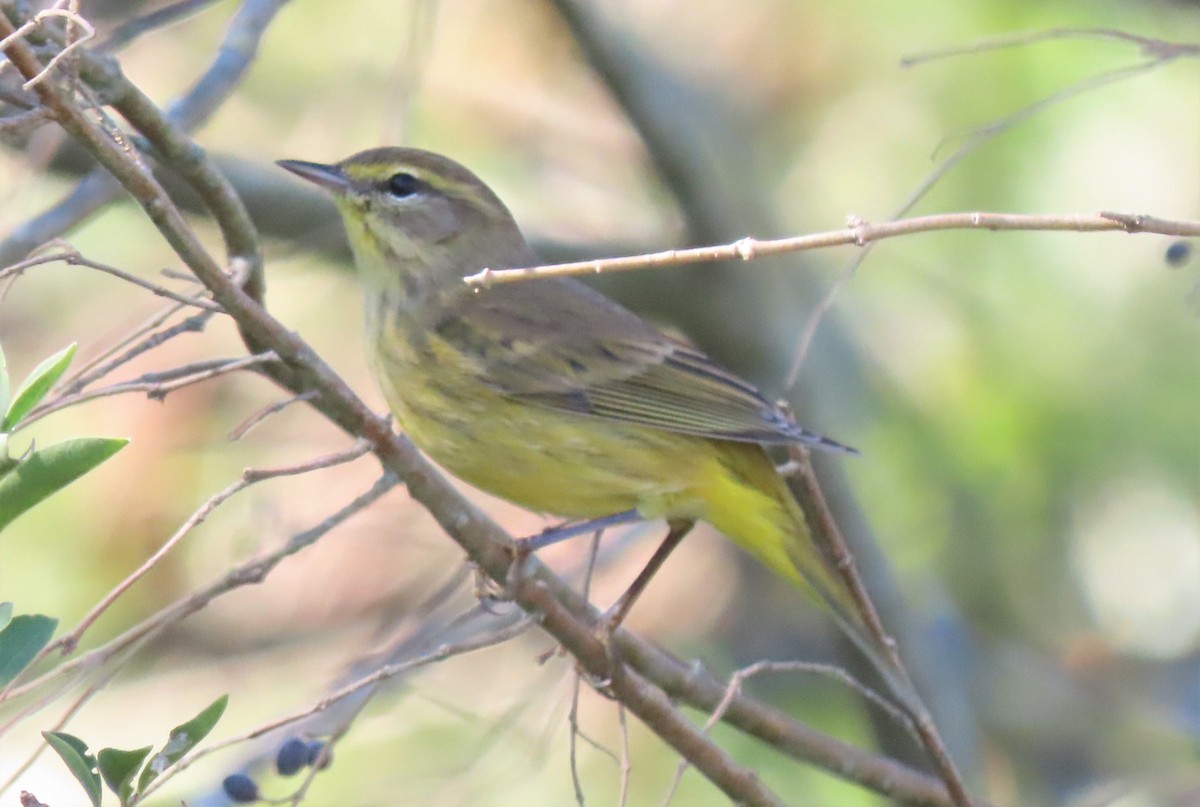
(106, 361)
(1160, 53)
(99, 189)
(626, 757)
(244, 428)
(1157, 48)
(825, 529)
(573, 713)
(250, 572)
(860, 234)
(438, 654)
(738, 679)
(74, 258)
(62, 722)
(62, 9)
(156, 386)
(127, 32)
(77, 259)
(250, 476)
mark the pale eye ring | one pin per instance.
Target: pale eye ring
(403, 185)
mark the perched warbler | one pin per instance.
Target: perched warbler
(549, 394)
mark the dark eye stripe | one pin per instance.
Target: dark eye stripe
(403, 185)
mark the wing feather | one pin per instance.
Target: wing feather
(577, 351)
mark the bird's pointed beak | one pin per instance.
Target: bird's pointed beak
(329, 177)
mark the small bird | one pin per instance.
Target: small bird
(547, 393)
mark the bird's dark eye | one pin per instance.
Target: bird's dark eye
(403, 185)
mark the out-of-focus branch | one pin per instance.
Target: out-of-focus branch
(1158, 52)
(370, 683)
(1155, 48)
(248, 573)
(98, 189)
(127, 32)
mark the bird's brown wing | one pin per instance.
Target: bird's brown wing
(561, 344)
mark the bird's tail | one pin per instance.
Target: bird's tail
(751, 504)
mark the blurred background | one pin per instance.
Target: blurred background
(1026, 505)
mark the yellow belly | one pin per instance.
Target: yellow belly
(543, 459)
(582, 467)
(550, 461)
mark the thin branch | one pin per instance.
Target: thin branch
(16, 269)
(641, 696)
(74, 258)
(251, 572)
(860, 234)
(29, 119)
(98, 189)
(72, 20)
(573, 713)
(626, 757)
(824, 670)
(154, 385)
(825, 529)
(63, 721)
(247, 425)
(77, 259)
(128, 31)
(250, 476)
(98, 367)
(438, 654)
(1157, 48)
(59, 10)
(693, 685)
(738, 679)
(974, 140)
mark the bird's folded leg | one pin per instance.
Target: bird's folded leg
(522, 548)
(614, 616)
(553, 535)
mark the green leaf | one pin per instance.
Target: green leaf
(81, 764)
(6, 609)
(7, 463)
(21, 640)
(50, 469)
(36, 386)
(183, 738)
(4, 388)
(119, 767)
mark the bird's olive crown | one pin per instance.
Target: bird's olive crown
(423, 196)
(418, 218)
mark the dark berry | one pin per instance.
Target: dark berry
(292, 756)
(1178, 253)
(240, 788)
(317, 756)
